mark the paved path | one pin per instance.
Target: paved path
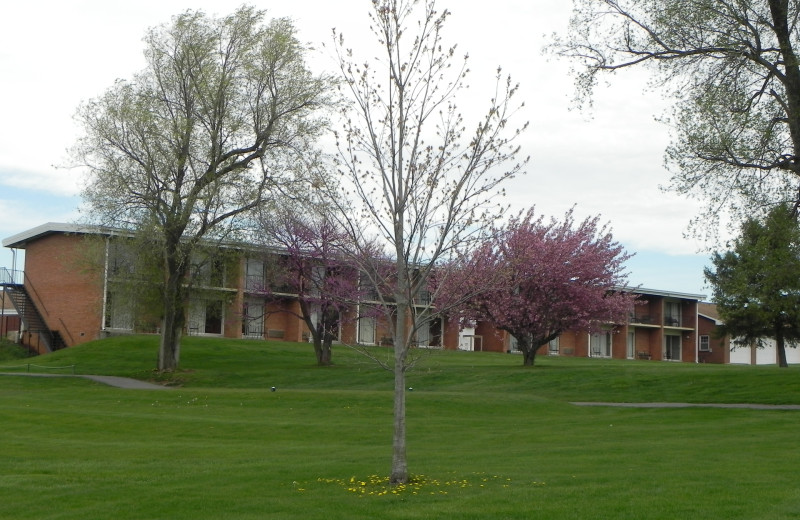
(119, 382)
(695, 405)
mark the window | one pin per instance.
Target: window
(119, 312)
(705, 344)
(672, 314)
(254, 275)
(121, 258)
(208, 272)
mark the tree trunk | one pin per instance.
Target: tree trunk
(325, 353)
(782, 28)
(780, 346)
(172, 324)
(399, 473)
(174, 317)
(528, 352)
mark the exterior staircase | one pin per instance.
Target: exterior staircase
(32, 320)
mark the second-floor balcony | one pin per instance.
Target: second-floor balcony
(672, 321)
(11, 277)
(643, 319)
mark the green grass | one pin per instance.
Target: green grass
(9, 351)
(487, 438)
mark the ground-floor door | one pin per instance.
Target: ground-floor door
(672, 347)
(631, 345)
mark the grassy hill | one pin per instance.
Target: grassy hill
(488, 438)
(225, 363)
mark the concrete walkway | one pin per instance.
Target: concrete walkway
(119, 382)
(695, 405)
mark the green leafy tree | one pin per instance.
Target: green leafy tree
(756, 284)
(732, 69)
(217, 122)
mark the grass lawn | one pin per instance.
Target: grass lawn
(487, 438)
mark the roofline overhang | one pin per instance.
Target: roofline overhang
(667, 294)
(716, 321)
(20, 240)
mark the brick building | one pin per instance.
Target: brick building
(663, 326)
(70, 277)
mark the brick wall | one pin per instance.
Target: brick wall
(66, 285)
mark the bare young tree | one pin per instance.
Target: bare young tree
(416, 176)
(207, 132)
(732, 68)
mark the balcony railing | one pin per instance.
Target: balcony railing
(9, 277)
(672, 321)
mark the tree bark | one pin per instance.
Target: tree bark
(780, 17)
(780, 346)
(172, 324)
(528, 352)
(174, 318)
(325, 353)
(399, 474)
(529, 347)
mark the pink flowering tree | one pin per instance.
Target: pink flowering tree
(546, 277)
(311, 264)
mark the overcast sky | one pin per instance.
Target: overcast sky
(55, 54)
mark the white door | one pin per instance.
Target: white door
(253, 320)
(366, 330)
(631, 344)
(672, 347)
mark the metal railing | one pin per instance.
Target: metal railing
(9, 277)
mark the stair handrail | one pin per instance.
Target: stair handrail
(38, 301)
(64, 325)
(16, 277)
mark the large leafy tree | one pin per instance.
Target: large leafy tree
(732, 69)
(547, 277)
(418, 178)
(756, 283)
(206, 132)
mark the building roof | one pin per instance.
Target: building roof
(20, 240)
(666, 294)
(709, 311)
